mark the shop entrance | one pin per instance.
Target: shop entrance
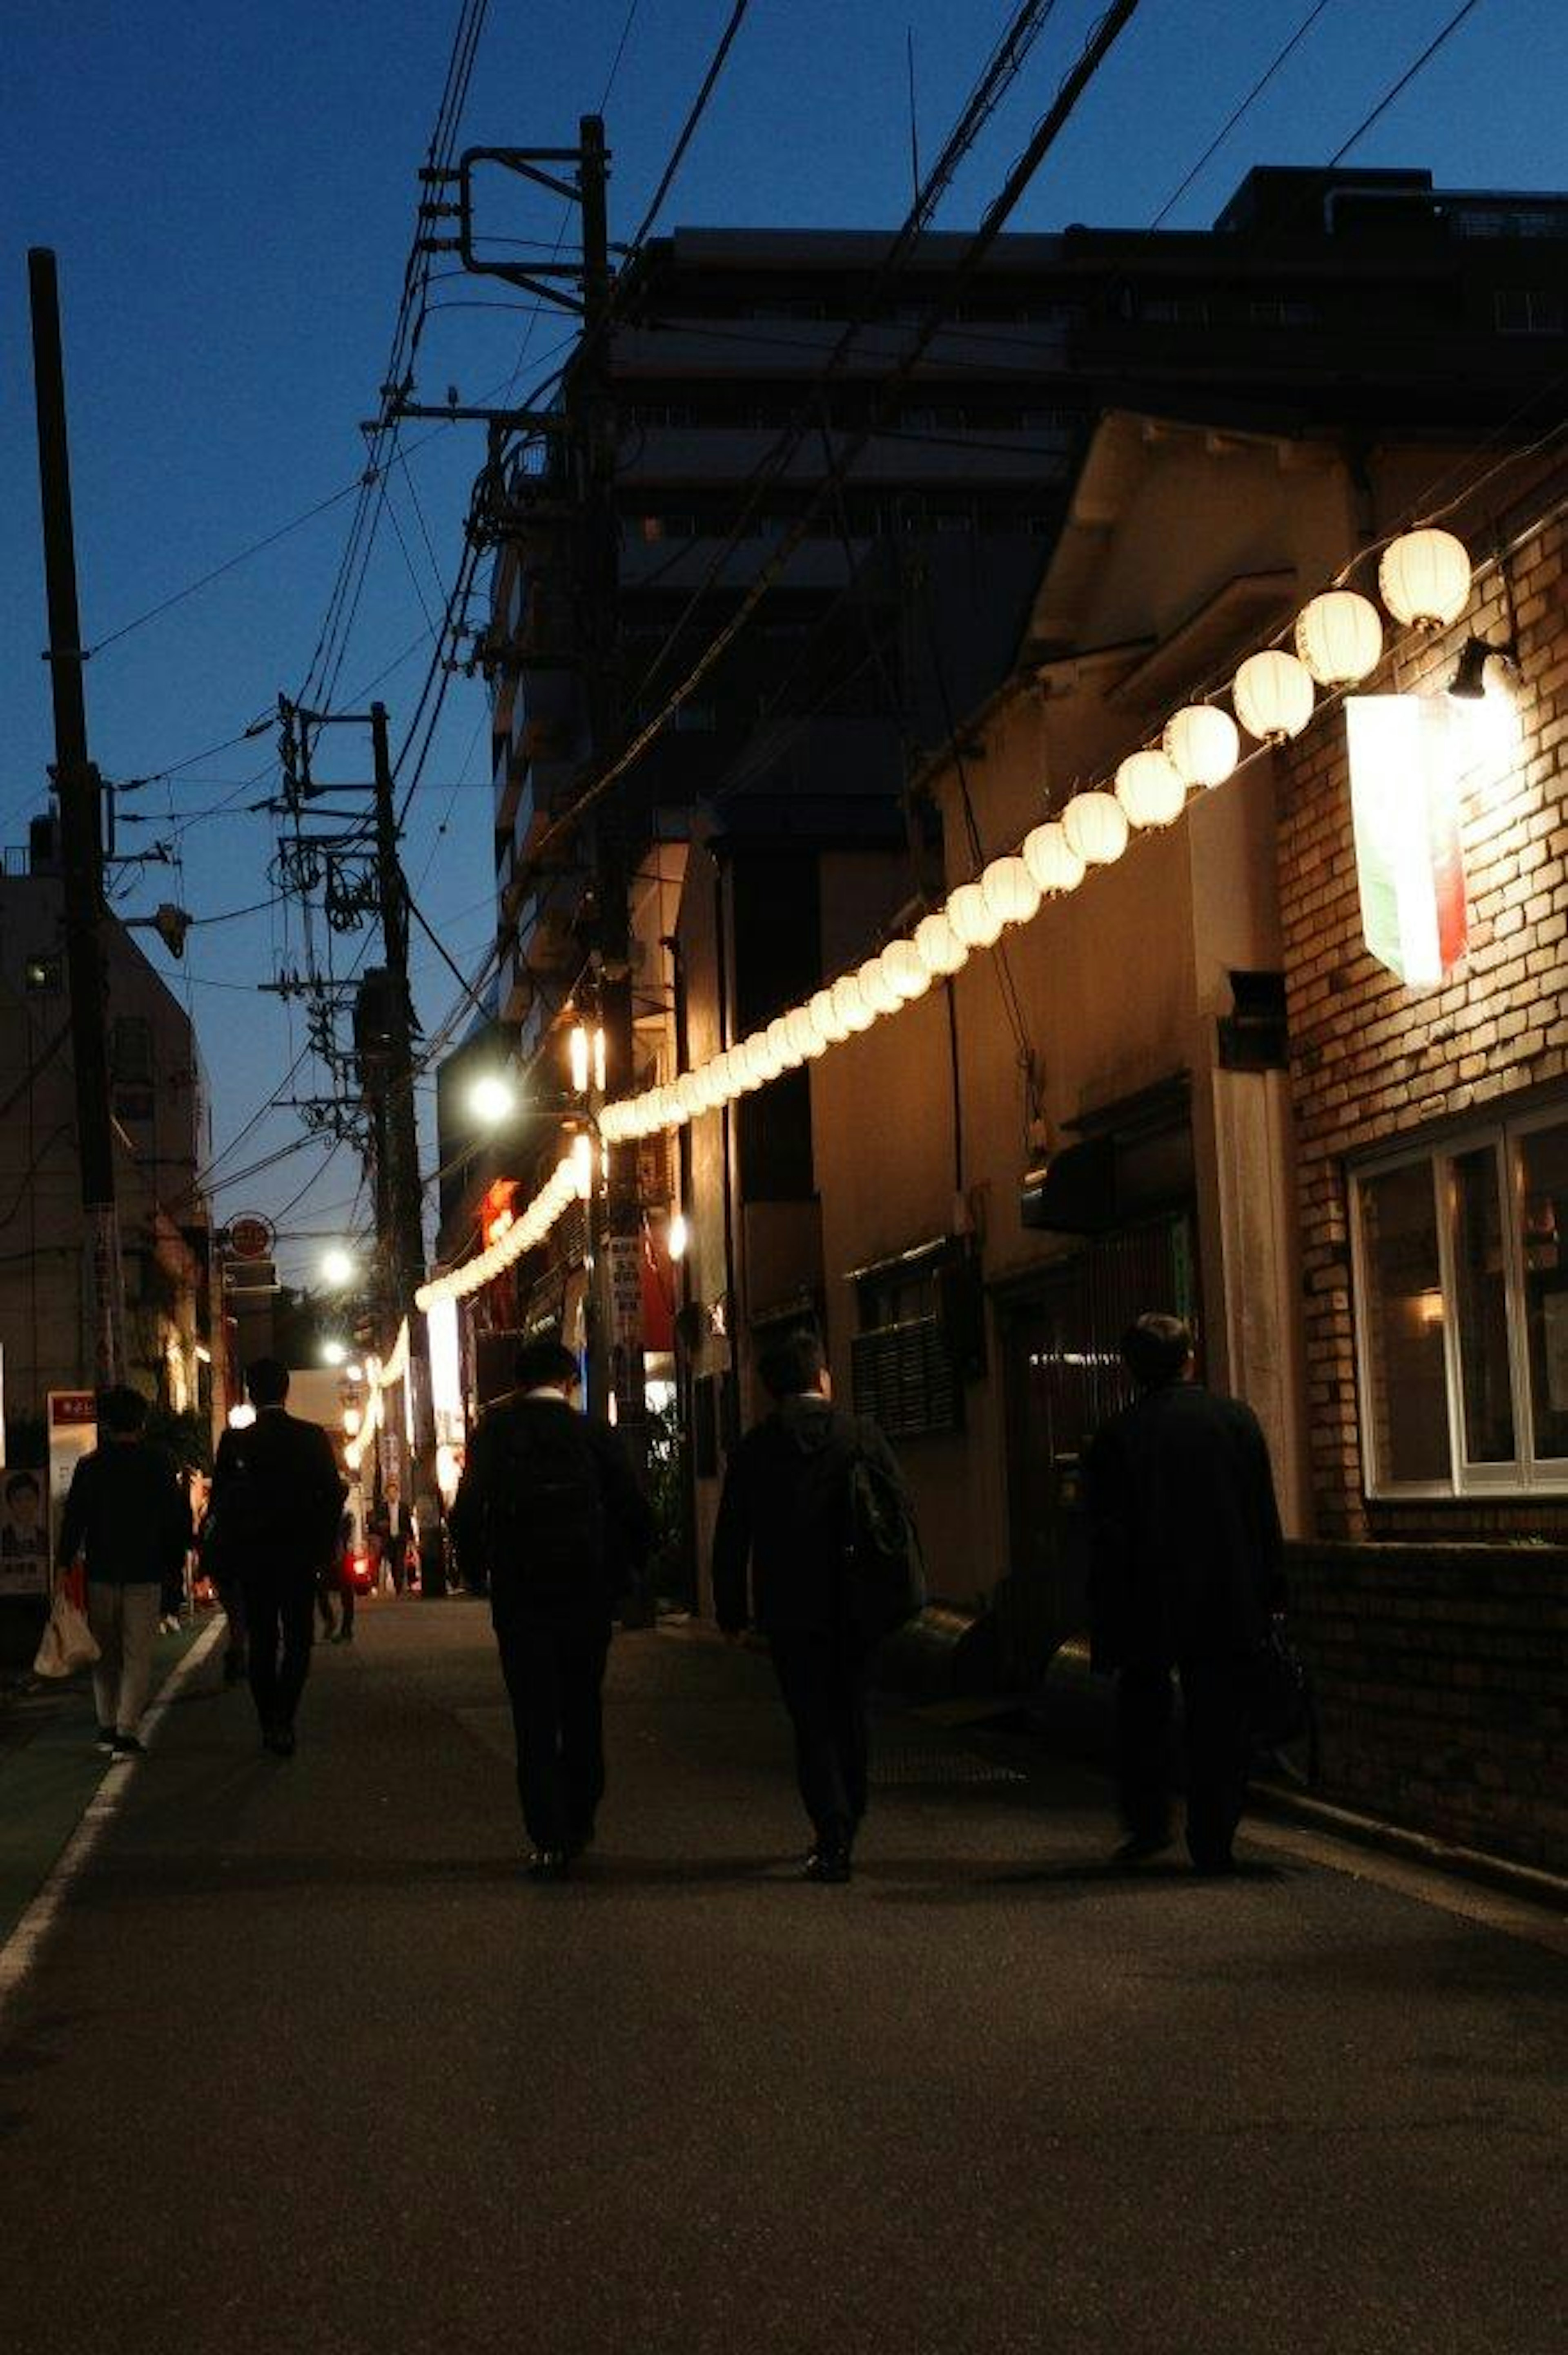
(1063, 1376)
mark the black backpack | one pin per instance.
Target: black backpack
(545, 1520)
(885, 1574)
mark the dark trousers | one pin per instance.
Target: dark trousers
(554, 1676)
(825, 1676)
(1213, 1694)
(279, 1608)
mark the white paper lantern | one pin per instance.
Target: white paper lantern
(688, 1094)
(758, 1061)
(1201, 744)
(904, 970)
(1095, 826)
(779, 1040)
(827, 1018)
(1150, 790)
(849, 1004)
(1273, 697)
(1051, 858)
(1424, 578)
(972, 917)
(938, 946)
(1011, 891)
(877, 990)
(709, 1084)
(804, 1035)
(1338, 636)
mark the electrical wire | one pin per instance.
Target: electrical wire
(1245, 106)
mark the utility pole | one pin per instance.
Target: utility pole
(615, 1357)
(401, 1141)
(80, 791)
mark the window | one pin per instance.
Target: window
(1527, 311)
(902, 1361)
(1462, 1292)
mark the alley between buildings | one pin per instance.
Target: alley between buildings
(303, 2063)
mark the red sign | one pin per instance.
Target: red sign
(251, 1237)
(72, 1407)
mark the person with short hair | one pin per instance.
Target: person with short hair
(128, 1517)
(1185, 1554)
(22, 1539)
(780, 1561)
(277, 1498)
(549, 1508)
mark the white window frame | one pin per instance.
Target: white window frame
(1526, 1475)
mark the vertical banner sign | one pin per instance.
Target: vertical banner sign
(1406, 758)
(626, 1287)
(72, 1433)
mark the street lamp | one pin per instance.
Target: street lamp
(337, 1267)
(334, 1353)
(491, 1099)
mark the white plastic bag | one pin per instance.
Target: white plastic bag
(67, 1642)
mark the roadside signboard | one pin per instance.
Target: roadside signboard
(251, 1237)
(73, 1433)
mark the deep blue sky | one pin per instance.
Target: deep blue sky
(230, 192)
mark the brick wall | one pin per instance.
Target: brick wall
(1372, 1061)
(1442, 1679)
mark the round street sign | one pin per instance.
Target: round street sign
(251, 1237)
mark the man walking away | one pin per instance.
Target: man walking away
(128, 1515)
(550, 1508)
(276, 1499)
(1184, 1573)
(786, 1510)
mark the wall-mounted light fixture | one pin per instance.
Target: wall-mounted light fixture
(1483, 668)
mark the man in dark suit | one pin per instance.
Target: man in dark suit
(549, 1509)
(128, 1516)
(1184, 1573)
(784, 1510)
(277, 1497)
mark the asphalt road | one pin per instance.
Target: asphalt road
(304, 2065)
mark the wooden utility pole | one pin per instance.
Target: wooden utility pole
(401, 1139)
(615, 1359)
(80, 791)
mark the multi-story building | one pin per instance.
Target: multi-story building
(162, 1141)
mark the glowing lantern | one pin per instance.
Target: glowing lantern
(806, 1037)
(1273, 697)
(688, 1094)
(827, 1018)
(972, 917)
(1011, 891)
(1407, 754)
(1095, 826)
(581, 1166)
(1201, 744)
(1424, 578)
(1339, 637)
(761, 1063)
(779, 1042)
(850, 1006)
(1150, 790)
(1051, 858)
(938, 946)
(904, 970)
(877, 990)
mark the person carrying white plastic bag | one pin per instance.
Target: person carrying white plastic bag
(67, 1642)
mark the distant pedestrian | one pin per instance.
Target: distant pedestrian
(788, 1512)
(1185, 1575)
(128, 1517)
(550, 1508)
(277, 1498)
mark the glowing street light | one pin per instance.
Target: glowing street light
(334, 1353)
(338, 1267)
(491, 1099)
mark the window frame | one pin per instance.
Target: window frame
(1525, 1475)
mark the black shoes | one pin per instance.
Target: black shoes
(125, 1746)
(104, 1738)
(280, 1741)
(1141, 1846)
(548, 1864)
(828, 1863)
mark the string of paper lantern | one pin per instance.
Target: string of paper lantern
(1424, 580)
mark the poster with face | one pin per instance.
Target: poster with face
(24, 1535)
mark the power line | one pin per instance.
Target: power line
(1254, 94)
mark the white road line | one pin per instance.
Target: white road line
(22, 1948)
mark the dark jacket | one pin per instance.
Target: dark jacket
(506, 1526)
(128, 1514)
(277, 1498)
(1183, 1530)
(784, 1510)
